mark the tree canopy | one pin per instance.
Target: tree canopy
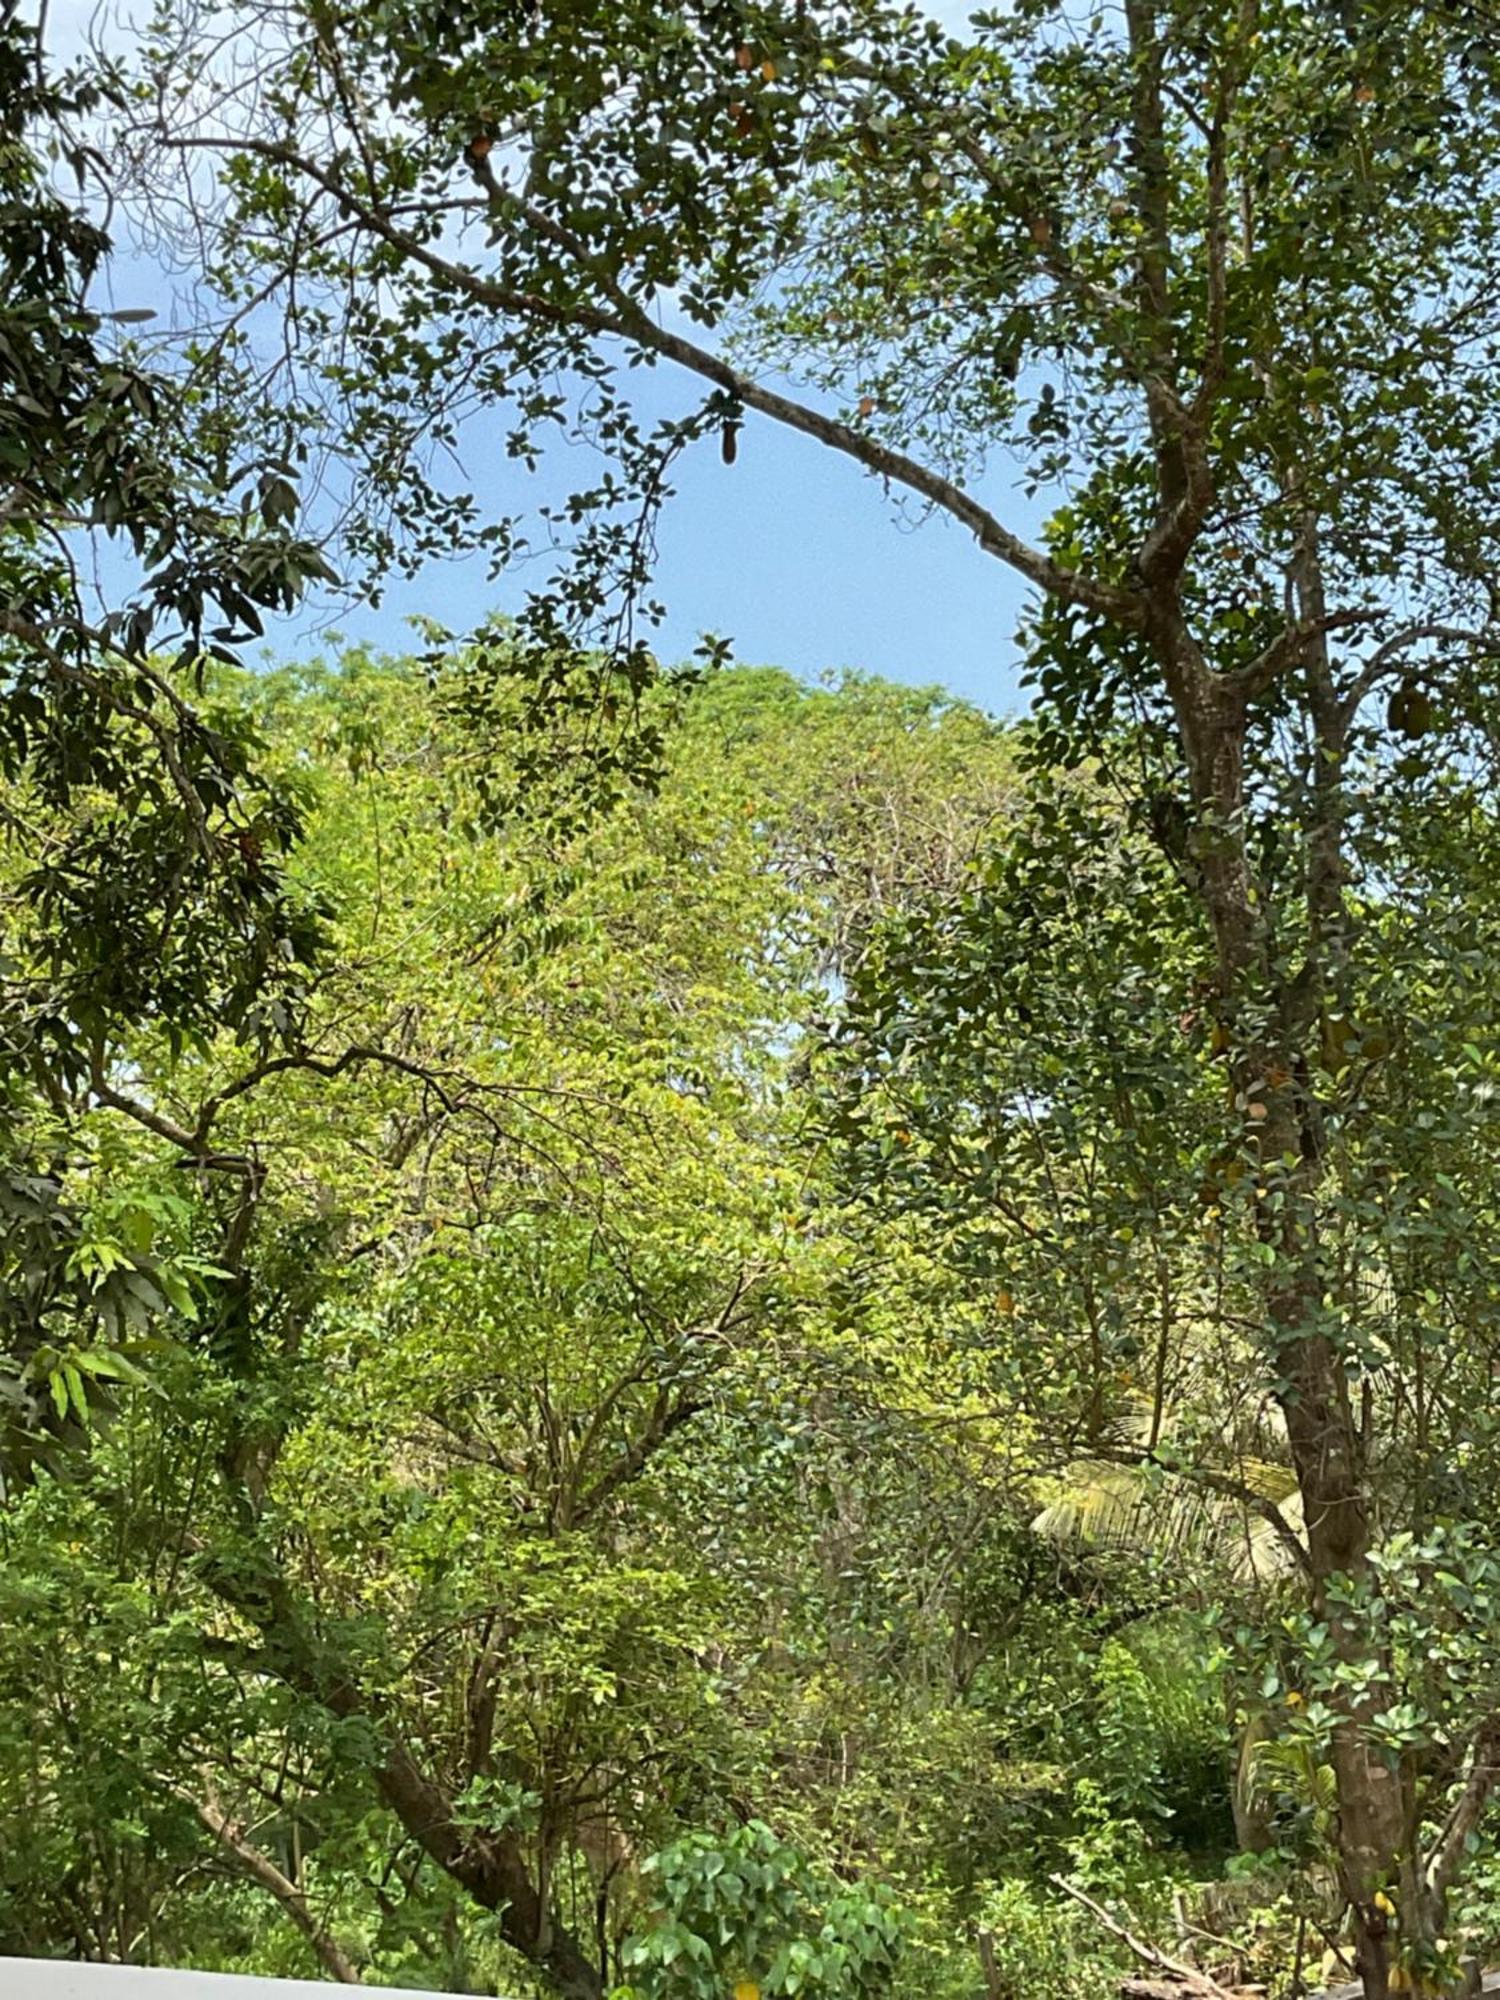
(682, 1233)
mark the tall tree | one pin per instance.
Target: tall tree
(141, 848)
(1220, 272)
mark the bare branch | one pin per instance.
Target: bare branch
(1389, 658)
(1289, 646)
(1223, 1483)
(1194, 1982)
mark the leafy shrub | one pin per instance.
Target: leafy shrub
(1039, 1950)
(742, 1912)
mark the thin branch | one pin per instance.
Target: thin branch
(667, 1417)
(194, 1139)
(1216, 134)
(1451, 1849)
(353, 1057)
(1001, 178)
(15, 625)
(263, 1870)
(1289, 646)
(192, 1142)
(1388, 658)
(1223, 1483)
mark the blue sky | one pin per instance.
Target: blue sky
(793, 554)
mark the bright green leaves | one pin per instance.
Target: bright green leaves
(1169, 1108)
(744, 1912)
(501, 1432)
(66, 1375)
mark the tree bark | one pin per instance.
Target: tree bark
(1328, 1455)
(492, 1868)
(495, 1874)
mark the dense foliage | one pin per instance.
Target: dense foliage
(618, 1505)
(141, 878)
(667, 1331)
(526, 1481)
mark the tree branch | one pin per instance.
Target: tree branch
(668, 1416)
(1223, 1483)
(492, 1868)
(16, 626)
(1226, 90)
(192, 1142)
(1451, 1848)
(1387, 658)
(1288, 647)
(630, 321)
(1195, 1982)
(263, 1870)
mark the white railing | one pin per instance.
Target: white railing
(56, 1979)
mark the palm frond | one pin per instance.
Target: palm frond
(1103, 1505)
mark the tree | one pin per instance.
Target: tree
(141, 872)
(438, 1576)
(1026, 1068)
(1219, 270)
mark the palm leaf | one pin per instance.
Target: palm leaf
(1099, 1504)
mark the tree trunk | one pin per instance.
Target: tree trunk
(492, 1868)
(1280, 1116)
(1327, 1453)
(494, 1873)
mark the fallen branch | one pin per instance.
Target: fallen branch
(1188, 1979)
(1151, 1989)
